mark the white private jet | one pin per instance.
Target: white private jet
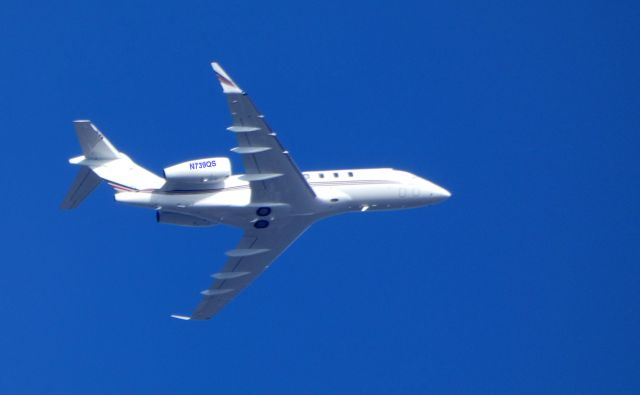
(273, 202)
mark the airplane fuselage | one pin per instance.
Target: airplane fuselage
(337, 191)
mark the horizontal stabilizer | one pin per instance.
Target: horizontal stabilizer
(86, 181)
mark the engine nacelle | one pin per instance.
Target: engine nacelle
(168, 217)
(199, 171)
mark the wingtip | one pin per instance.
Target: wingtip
(180, 317)
(228, 85)
(216, 67)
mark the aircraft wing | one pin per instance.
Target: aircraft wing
(273, 175)
(255, 252)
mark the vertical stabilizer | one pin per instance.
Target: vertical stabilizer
(100, 160)
(94, 144)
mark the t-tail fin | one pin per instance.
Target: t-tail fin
(100, 160)
(94, 144)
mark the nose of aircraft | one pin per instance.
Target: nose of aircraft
(440, 194)
(434, 193)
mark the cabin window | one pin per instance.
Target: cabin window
(335, 175)
(350, 174)
(321, 175)
(306, 175)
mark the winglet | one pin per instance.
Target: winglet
(181, 317)
(228, 86)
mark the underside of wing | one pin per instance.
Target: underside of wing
(273, 175)
(255, 252)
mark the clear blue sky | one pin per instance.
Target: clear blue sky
(525, 281)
